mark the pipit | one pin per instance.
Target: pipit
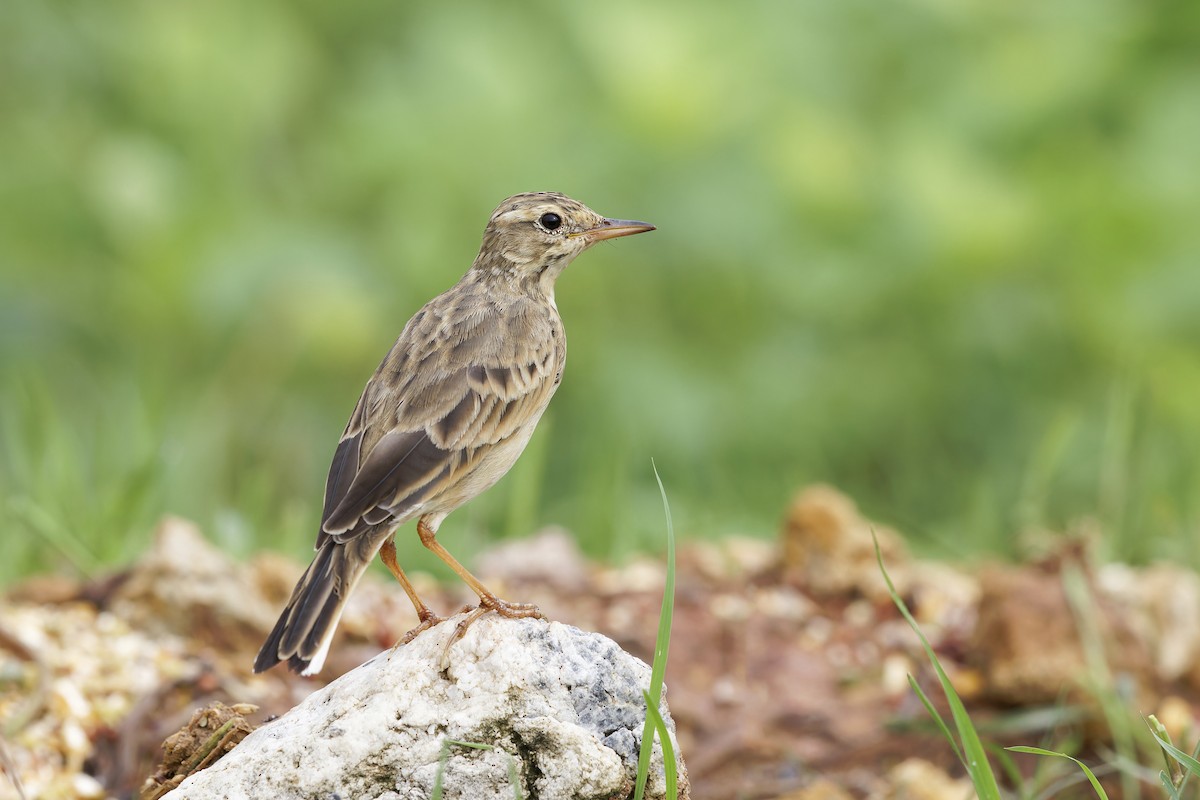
(444, 416)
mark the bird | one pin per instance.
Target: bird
(444, 417)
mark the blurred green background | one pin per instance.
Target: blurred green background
(940, 253)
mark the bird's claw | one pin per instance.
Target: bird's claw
(511, 610)
(426, 623)
(501, 607)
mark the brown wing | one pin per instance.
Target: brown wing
(445, 394)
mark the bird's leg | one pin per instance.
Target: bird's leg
(387, 554)
(487, 599)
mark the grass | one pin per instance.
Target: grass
(1091, 776)
(1129, 760)
(212, 227)
(655, 726)
(967, 745)
(670, 770)
(1098, 679)
(1181, 767)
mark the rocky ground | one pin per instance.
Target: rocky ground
(788, 672)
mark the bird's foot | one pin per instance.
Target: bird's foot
(461, 628)
(501, 607)
(428, 620)
(511, 610)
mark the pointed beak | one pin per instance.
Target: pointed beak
(612, 228)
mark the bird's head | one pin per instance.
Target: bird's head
(535, 235)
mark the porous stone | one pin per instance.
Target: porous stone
(554, 710)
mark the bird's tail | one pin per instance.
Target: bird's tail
(305, 628)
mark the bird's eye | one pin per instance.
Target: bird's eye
(550, 221)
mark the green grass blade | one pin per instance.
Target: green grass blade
(1189, 763)
(978, 767)
(1098, 676)
(1037, 751)
(443, 757)
(937, 718)
(1168, 785)
(1187, 776)
(57, 534)
(1172, 767)
(471, 745)
(514, 779)
(664, 737)
(661, 645)
(1010, 768)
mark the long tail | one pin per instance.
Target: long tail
(305, 628)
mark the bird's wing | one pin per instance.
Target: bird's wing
(444, 395)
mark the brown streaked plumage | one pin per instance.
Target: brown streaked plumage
(444, 416)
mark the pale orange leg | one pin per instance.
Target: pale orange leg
(387, 554)
(487, 600)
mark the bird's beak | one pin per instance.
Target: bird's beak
(612, 228)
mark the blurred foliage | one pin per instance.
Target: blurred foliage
(941, 253)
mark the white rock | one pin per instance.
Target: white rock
(561, 709)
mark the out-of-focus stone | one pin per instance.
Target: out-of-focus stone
(828, 547)
(1163, 602)
(82, 670)
(735, 558)
(548, 557)
(185, 586)
(1178, 717)
(820, 789)
(639, 575)
(274, 576)
(1027, 642)
(44, 590)
(943, 596)
(917, 779)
